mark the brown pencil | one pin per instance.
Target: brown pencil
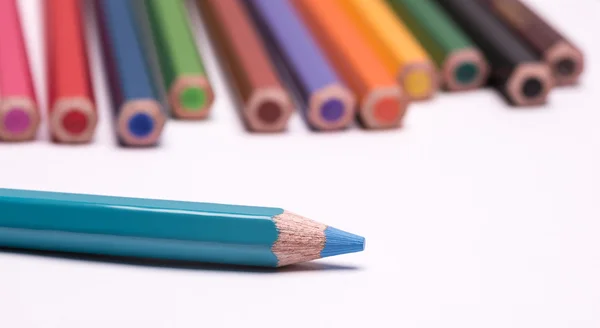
(565, 60)
(266, 106)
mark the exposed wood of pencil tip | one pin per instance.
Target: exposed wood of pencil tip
(428, 69)
(367, 108)
(457, 58)
(321, 97)
(64, 105)
(179, 86)
(300, 239)
(26, 105)
(524, 73)
(147, 106)
(276, 97)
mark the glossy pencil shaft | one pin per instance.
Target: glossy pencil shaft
(381, 101)
(266, 107)
(71, 101)
(515, 69)
(161, 229)
(462, 65)
(564, 58)
(326, 103)
(395, 44)
(185, 78)
(138, 112)
(19, 116)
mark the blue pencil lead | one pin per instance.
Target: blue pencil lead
(341, 242)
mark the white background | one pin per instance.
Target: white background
(476, 214)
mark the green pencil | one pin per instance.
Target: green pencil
(166, 230)
(189, 92)
(461, 63)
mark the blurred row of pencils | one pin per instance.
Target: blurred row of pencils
(336, 61)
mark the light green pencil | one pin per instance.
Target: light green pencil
(189, 91)
(166, 230)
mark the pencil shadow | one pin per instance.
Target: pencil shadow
(179, 265)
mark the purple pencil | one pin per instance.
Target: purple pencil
(327, 103)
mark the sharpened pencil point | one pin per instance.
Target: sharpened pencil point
(339, 242)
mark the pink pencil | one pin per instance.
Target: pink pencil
(19, 114)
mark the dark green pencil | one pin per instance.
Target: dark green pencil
(189, 91)
(461, 63)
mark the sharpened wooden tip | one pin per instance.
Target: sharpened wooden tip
(301, 239)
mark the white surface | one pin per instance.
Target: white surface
(476, 215)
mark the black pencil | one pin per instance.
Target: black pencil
(563, 57)
(515, 69)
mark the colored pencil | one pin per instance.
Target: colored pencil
(266, 105)
(166, 230)
(395, 44)
(381, 101)
(326, 102)
(72, 108)
(139, 114)
(146, 36)
(515, 70)
(563, 57)
(462, 65)
(19, 113)
(185, 79)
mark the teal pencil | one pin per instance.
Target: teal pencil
(167, 230)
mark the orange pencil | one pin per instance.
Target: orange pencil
(382, 103)
(72, 112)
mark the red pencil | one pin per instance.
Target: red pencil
(72, 111)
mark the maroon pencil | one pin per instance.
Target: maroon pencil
(266, 106)
(565, 59)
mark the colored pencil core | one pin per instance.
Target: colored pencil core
(269, 112)
(466, 73)
(193, 99)
(417, 84)
(387, 110)
(340, 242)
(332, 110)
(141, 125)
(74, 122)
(565, 67)
(16, 120)
(532, 87)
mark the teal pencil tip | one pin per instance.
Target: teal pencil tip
(339, 242)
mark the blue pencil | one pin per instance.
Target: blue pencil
(167, 230)
(140, 115)
(327, 104)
